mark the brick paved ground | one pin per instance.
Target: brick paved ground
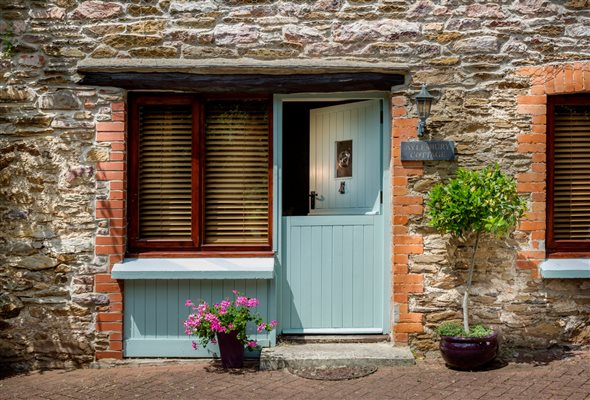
(567, 378)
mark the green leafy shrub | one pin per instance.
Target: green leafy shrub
(474, 203)
(454, 329)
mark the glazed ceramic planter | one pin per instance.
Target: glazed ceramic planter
(468, 352)
(232, 351)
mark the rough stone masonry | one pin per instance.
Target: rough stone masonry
(480, 58)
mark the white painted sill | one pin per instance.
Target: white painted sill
(195, 268)
(565, 268)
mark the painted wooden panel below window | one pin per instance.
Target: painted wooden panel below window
(154, 312)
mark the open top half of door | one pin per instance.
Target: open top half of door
(345, 159)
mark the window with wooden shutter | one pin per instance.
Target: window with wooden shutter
(199, 175)
(236, 172)
(569, 173)
(165, 174)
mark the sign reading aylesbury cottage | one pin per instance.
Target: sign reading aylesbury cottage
(424, 150)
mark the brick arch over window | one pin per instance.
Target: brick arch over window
(570, 78)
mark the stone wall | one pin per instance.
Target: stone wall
(55, 160)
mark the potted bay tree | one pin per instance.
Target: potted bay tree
(471, 206)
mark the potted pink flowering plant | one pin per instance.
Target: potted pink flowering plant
(225, 323)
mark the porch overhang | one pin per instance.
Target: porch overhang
(242, 75)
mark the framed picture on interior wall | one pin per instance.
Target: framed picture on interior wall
(344, 159)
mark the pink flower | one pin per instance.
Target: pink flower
(253, 302)
(273, 323)
(242, 301)
(223, 306)
(235, 292)
(213, 341)
(192, 322)
(231, 326)
(261, 327)
(252, 344)
(214, 322)
(188, 303)
(201, 309)
(195, 345)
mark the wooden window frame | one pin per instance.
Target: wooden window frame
(195, 247)
(560, 248)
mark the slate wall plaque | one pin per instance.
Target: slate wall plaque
(425, 150)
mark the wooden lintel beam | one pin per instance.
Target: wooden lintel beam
(244, 83)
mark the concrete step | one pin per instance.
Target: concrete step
(326, 355)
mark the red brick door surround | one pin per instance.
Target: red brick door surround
(405, 205)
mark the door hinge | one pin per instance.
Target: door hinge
(381, 196)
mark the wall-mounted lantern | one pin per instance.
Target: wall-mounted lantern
(423, 103)
(426, 150)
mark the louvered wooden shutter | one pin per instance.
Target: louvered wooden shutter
(165, 152)
(571, 172)
(236, 173)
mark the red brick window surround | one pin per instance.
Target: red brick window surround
(545, 82)
(111, 136)
(568, 173)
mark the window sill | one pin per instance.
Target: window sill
(195, 268)
(565, 268)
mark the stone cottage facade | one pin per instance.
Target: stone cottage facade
(64, 149)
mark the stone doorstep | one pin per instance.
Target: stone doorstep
(325, 355)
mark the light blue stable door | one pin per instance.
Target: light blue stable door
(332, 277)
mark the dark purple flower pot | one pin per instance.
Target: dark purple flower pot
(468, 353)
(232, 351)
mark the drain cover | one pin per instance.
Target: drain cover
(333, 373)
